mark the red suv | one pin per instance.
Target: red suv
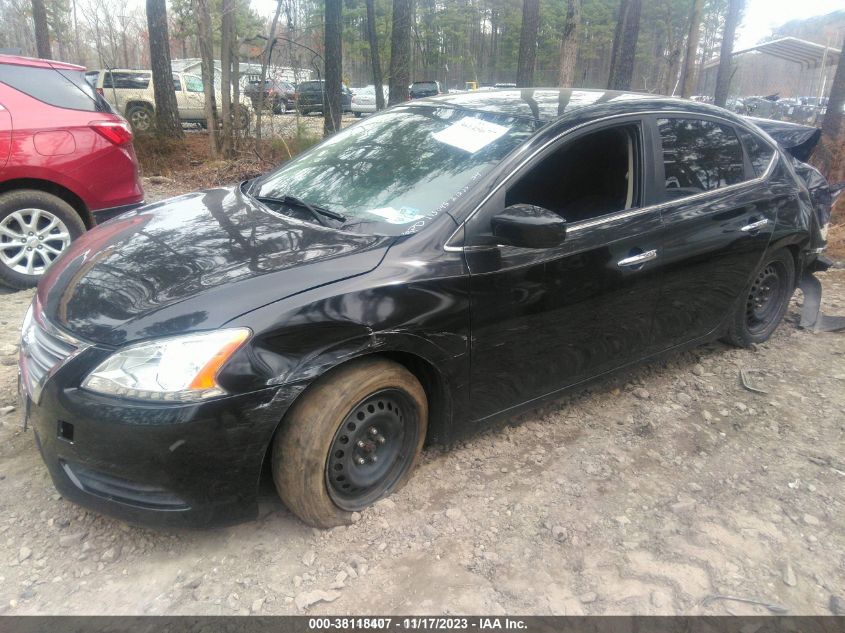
(66, 164)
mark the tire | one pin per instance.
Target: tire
(761, 307)
(140, 117)
(357, 115)
(326, 453)
(48, 225)
(280, 107)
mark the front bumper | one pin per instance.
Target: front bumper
(195, 465)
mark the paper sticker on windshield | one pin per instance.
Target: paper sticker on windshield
(398, 216)
(470, 134)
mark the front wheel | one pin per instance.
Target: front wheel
(765, 301)
(351, 440)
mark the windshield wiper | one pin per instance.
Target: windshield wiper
(316, 211)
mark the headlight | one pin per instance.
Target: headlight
(178, 369)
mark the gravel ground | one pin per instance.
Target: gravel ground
(644, 494)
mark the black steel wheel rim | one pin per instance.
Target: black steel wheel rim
(765, 297)
(372, 449)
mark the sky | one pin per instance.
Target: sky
(761, 16)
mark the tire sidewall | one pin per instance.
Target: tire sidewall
(30, 198)
(140, 109)
(741, 335)
(302, 444)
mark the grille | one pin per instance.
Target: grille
(41, 352)
(122, 490)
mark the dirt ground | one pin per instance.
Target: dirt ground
(645, 494)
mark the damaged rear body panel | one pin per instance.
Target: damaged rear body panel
(799, 141)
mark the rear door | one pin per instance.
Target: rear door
(718, 221)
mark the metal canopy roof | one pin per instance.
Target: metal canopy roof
(808, 54)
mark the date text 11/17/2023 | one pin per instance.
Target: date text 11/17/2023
(416, 623)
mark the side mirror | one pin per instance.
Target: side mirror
(528, 226)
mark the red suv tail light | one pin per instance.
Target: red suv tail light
(117, 132)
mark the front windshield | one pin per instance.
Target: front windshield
(391, 174)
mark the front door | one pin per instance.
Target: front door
(718, 223)
(544, 319)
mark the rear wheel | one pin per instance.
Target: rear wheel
(140, 117)
(280, 107)
(35, 228)
(765, 301)
(350, 441)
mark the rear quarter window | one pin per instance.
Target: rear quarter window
(699, 155)
(61, 88)
(759, 152)
(126, 81)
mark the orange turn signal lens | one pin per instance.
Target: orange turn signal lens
(206, 378)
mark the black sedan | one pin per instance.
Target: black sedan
(411, 279)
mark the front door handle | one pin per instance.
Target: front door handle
(755, 226)
(638, 260)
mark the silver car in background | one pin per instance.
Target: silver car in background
(364, 100)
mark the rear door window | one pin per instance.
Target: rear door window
(699, 156)
(57, 87)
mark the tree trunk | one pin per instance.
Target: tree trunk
(265, 62)
(625, 45)
(375, 61)
(832, 122)
(333, 101)
(167, 111)
(42, 31)
(621, 17)
(206, 44)
(724, 74)
(235, 76)
(569, 44)
(400, 52)
(528, 43)
(227, 26)
(688, 73)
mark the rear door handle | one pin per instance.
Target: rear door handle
(754, 226)
(638, 260)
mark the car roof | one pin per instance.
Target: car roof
(122, 70)
(547, 104)
(20, 60)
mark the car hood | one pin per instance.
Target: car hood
(193, 263)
